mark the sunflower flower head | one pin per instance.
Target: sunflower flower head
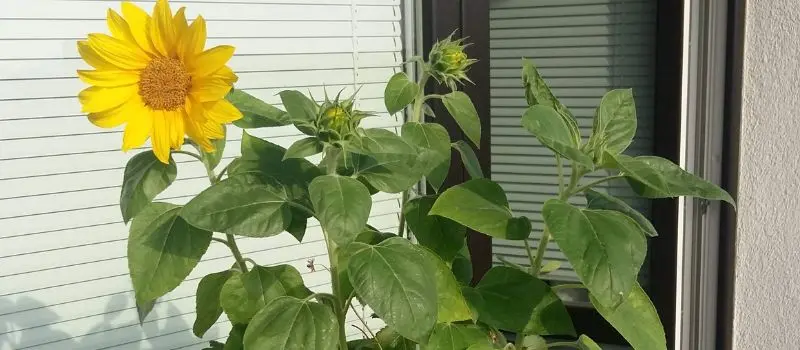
(153, 74)
(339, 117)
(449, 63)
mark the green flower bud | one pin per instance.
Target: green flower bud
(448, 62)
(339, 118)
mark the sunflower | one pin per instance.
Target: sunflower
(153, 74)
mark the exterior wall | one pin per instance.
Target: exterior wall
(768, 238)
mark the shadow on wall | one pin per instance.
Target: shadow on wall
(47, 330)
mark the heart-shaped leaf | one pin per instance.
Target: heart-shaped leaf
(342, 205)
(207, 301)
(469, 159)
(439, 234)
(452, 305)
(538, 93)
(451, 336)
(145, 177)
(301, 109)
(306, 147)
(433, 145)
(481, 205)
(162, 250)
(600, 200)
(243, 294)
(256, 113)
(460, 106)
(291, 323)
(400, 91)
(606, 248)
(636, 319)
(551, 130)
(614, 123)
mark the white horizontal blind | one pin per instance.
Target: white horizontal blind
(583, 48)
(63, 271)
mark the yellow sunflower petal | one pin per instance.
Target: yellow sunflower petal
(163, 32)
(139, 23)
(120, 29)
(181, 25)
(221, 112)
(193, 40)
(177, 129)
(193, 119)
(139, 127)
(92, 58)
(109, 78)
(213, 130)
(209, 89)
(226, 74)
(98, 99)
(210, 61)
(161, 136)
(117, 52)
(111, 118)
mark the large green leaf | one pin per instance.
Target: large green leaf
(342, 205)
(208, 301)
(451, 336)
(614, 123)
(400, 91)
(600, 200)
(516, 301)
(606, 248)
(469, 159)
(293, 324)
(256, 113)
(551, 130)
(481, 205)
(439, 234)
(452, 306)
(144, 308)
(394, 279)
(297, 227)
(244, 294)
(265, 159)
(240, 205)
(538, 93)
(655, 177)
(460, 106)
(433, 144)
(306, 147)
(636, 319)
(162, 250)
(385, 160)
(145, 177)
(301, 109)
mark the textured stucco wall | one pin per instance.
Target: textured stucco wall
(767, 314)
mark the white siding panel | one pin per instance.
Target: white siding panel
(64, 280)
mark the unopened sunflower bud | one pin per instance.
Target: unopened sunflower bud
(449, 63)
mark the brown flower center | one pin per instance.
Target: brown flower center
(164, 84)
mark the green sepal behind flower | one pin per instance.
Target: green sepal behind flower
(449, 63)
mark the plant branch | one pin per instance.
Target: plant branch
(191, 154)
(568, 286)
(530, 253)
(223, 241)
(222, 172)
(536, 263)
(569, 344)
(594, 183)
(366, 326)
(237, 254)
(304, 208)
(560, 168)
(402, 227)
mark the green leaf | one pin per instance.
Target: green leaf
(400, 91)
(606, 248)
(306, 147)
(481, 205)
(212, 159)
(433, 143)
(516, 301)
(469, 159)
(450, 336)
(538, 93)
(297, 226)
(256, 113)
(439, 234)
(291, 323)
(342, 205)
(655, 177)
(244, 294)
(460, 106)
(240, 205)
(162, 250)
(207, 301)
(394, 279)
(510, 264)
(549, 267)
(586, 343)
(386, 160)
(452, 306)
(551, 130)
(437, 176)
(462, 265)
(145, 177)
(260, 157)
(534, 342)
(235, 339)
(600, 200)
(144, 308)
(389, 339)
(614, 123)
(636, 319)
(301, 109)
